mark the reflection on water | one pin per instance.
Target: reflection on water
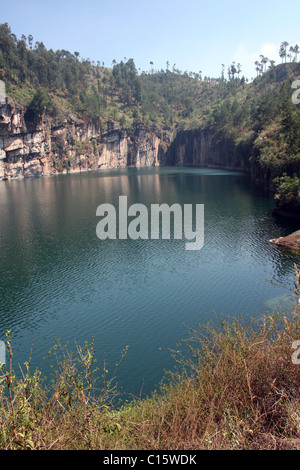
(59, 280)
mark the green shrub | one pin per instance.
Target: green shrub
(288, 191)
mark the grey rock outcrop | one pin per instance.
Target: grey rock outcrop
(37, 146)
(42, 146)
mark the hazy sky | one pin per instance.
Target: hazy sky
(193, 34)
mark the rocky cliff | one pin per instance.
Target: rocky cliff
(210, 149)
(37, 146)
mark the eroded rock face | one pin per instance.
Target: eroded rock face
(44, 147)
(203, 148)
(31, 146)
(21, 149)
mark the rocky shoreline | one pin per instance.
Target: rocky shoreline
(291, 242)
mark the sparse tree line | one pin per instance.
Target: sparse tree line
(285, 53)
(124, 94)
(164, 100)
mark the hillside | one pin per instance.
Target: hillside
(255, 126)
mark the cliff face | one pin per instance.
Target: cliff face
(213, 150)
(37, 147)
(31, 146)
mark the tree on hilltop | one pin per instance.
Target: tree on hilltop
(283, 50)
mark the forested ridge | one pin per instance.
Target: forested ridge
(259, 115)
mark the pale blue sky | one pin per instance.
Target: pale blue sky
(193, 34)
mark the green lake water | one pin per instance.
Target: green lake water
(58, 280)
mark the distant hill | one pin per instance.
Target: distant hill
(258, 117)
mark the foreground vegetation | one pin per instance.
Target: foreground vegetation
(238, 389)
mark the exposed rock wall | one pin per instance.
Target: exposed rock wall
(31, 146)
(204, 148)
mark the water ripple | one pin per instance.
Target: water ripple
(59, 280)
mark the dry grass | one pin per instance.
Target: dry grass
(238, 388)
